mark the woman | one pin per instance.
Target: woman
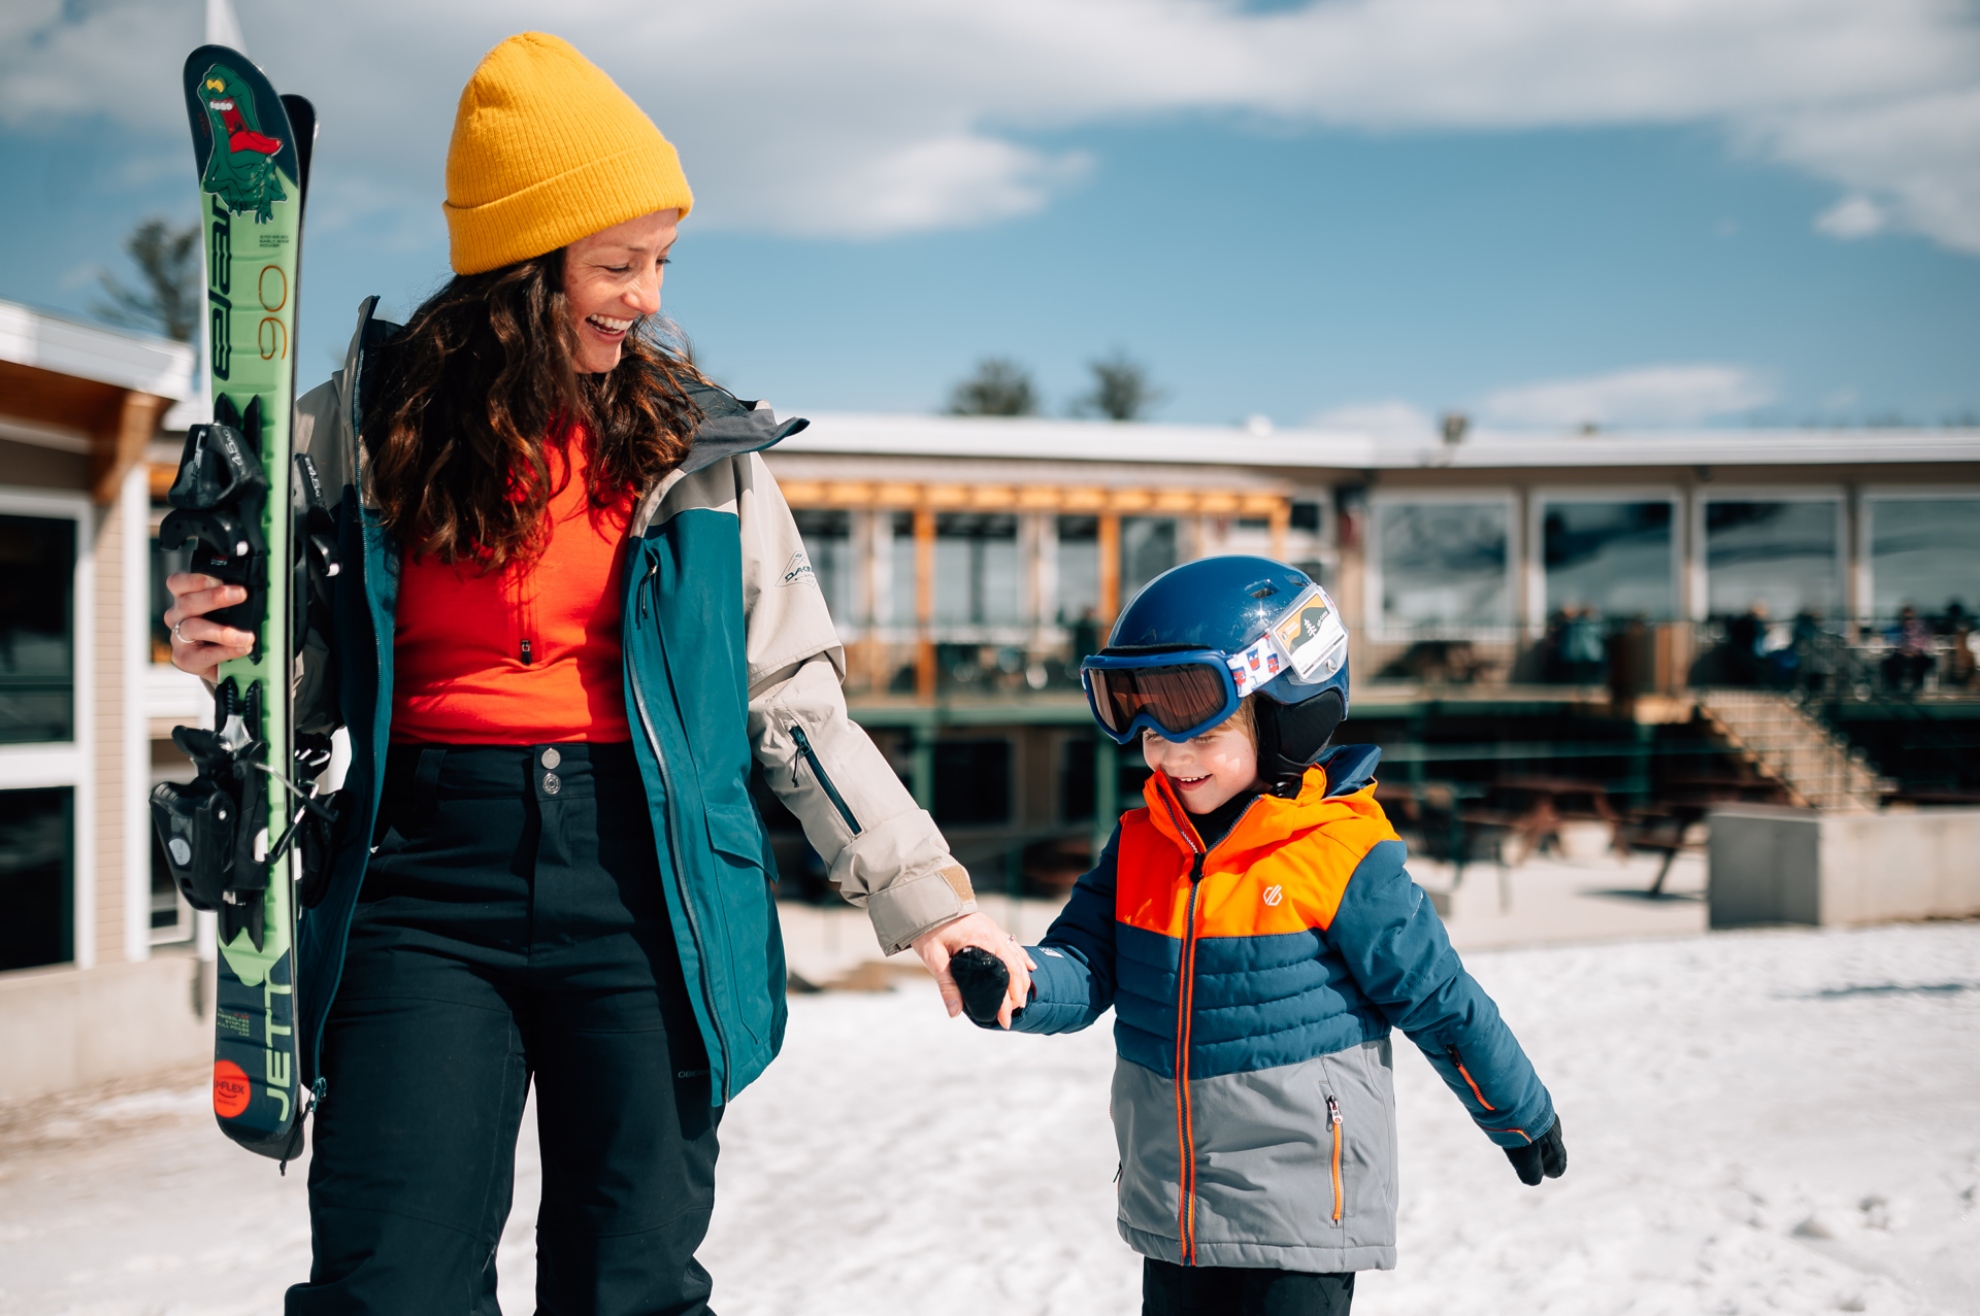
(565, 634)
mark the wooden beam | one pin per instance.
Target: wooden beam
(117, 447)
(1110, 567)
(160, 477)
(924, 601)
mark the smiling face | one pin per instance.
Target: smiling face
(1210, 770)
(611, 279)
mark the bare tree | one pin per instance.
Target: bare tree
(168, 299)
(1121, 390)
(1000, 387)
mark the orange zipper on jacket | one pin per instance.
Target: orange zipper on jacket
(1334, 1119)
(1185, 1001)
(1458, 1060)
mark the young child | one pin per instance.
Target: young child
(1257, 937)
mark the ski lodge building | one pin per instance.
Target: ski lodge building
(90, 987)
(1637, 613)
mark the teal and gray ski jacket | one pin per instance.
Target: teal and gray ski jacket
(731, 661)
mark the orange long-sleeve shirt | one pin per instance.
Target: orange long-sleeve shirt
(525, 655)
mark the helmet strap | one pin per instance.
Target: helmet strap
(1291, 737)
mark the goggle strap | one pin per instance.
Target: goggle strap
(1258, 664)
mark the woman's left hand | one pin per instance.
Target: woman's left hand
(937, 944)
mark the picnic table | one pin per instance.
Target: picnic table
(1531, 810)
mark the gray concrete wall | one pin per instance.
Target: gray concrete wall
(70, 1028)
(1780, 865)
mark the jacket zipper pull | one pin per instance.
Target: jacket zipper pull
(526, 659)
(1334, 1122)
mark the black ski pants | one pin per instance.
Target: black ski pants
(511, 929)
(1171, 1290)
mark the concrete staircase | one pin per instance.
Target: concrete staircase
(1770, 731)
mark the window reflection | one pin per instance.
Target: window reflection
(1924, 552)
(1780, 556)
(976, 569)
(1612, 557)
(1444, 563)
(37, 629)
(901, 596)
(36, 879)
(1079, 569)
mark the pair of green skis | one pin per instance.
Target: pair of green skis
(235, 837)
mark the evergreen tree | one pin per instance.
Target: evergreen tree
(168, 300)
(1121, 390)
(1000, 387)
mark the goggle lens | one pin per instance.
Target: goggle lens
(1177, 699)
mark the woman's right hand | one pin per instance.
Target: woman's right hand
(200, 644)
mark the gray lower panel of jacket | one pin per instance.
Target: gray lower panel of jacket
(1264, 1154)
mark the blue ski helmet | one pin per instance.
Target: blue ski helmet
(1200, 637)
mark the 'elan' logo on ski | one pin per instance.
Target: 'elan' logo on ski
(1274, 894)
(797, 570)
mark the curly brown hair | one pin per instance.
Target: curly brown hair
(470, 395)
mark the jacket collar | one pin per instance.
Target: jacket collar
(1340, 785)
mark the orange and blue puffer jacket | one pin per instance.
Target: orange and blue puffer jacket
(1254, 985)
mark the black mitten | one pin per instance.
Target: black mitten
(1547, 1157)
(983, 981)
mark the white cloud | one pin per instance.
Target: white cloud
(1392, 419)
(1855, 216)
(1652, 395)
(864, 117)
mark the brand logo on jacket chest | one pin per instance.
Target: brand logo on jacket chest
(1274, 894)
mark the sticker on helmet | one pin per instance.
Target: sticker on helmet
(1311, 634)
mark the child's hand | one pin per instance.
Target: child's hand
(1546, 1157)
(983, 981)
(938, 946)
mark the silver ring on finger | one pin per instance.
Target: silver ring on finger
(179, 632)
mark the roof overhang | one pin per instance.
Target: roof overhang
(157, 366)
(1030, 438)
(80, 389)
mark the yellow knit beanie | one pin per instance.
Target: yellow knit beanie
(547, 150)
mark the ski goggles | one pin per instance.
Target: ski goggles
(1181, 694)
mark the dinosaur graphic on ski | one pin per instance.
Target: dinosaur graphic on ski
(240, 171)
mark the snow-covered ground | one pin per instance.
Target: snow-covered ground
(1759, 1122)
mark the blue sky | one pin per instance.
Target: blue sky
(1531, 258)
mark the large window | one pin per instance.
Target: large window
(828, 543)
(1779, 555)
(1079, 569)
(1613, 557)
(976, 570)
(1924, 552)
(37, 629)
(1444, 563)
(901, 571)
(37, 905)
